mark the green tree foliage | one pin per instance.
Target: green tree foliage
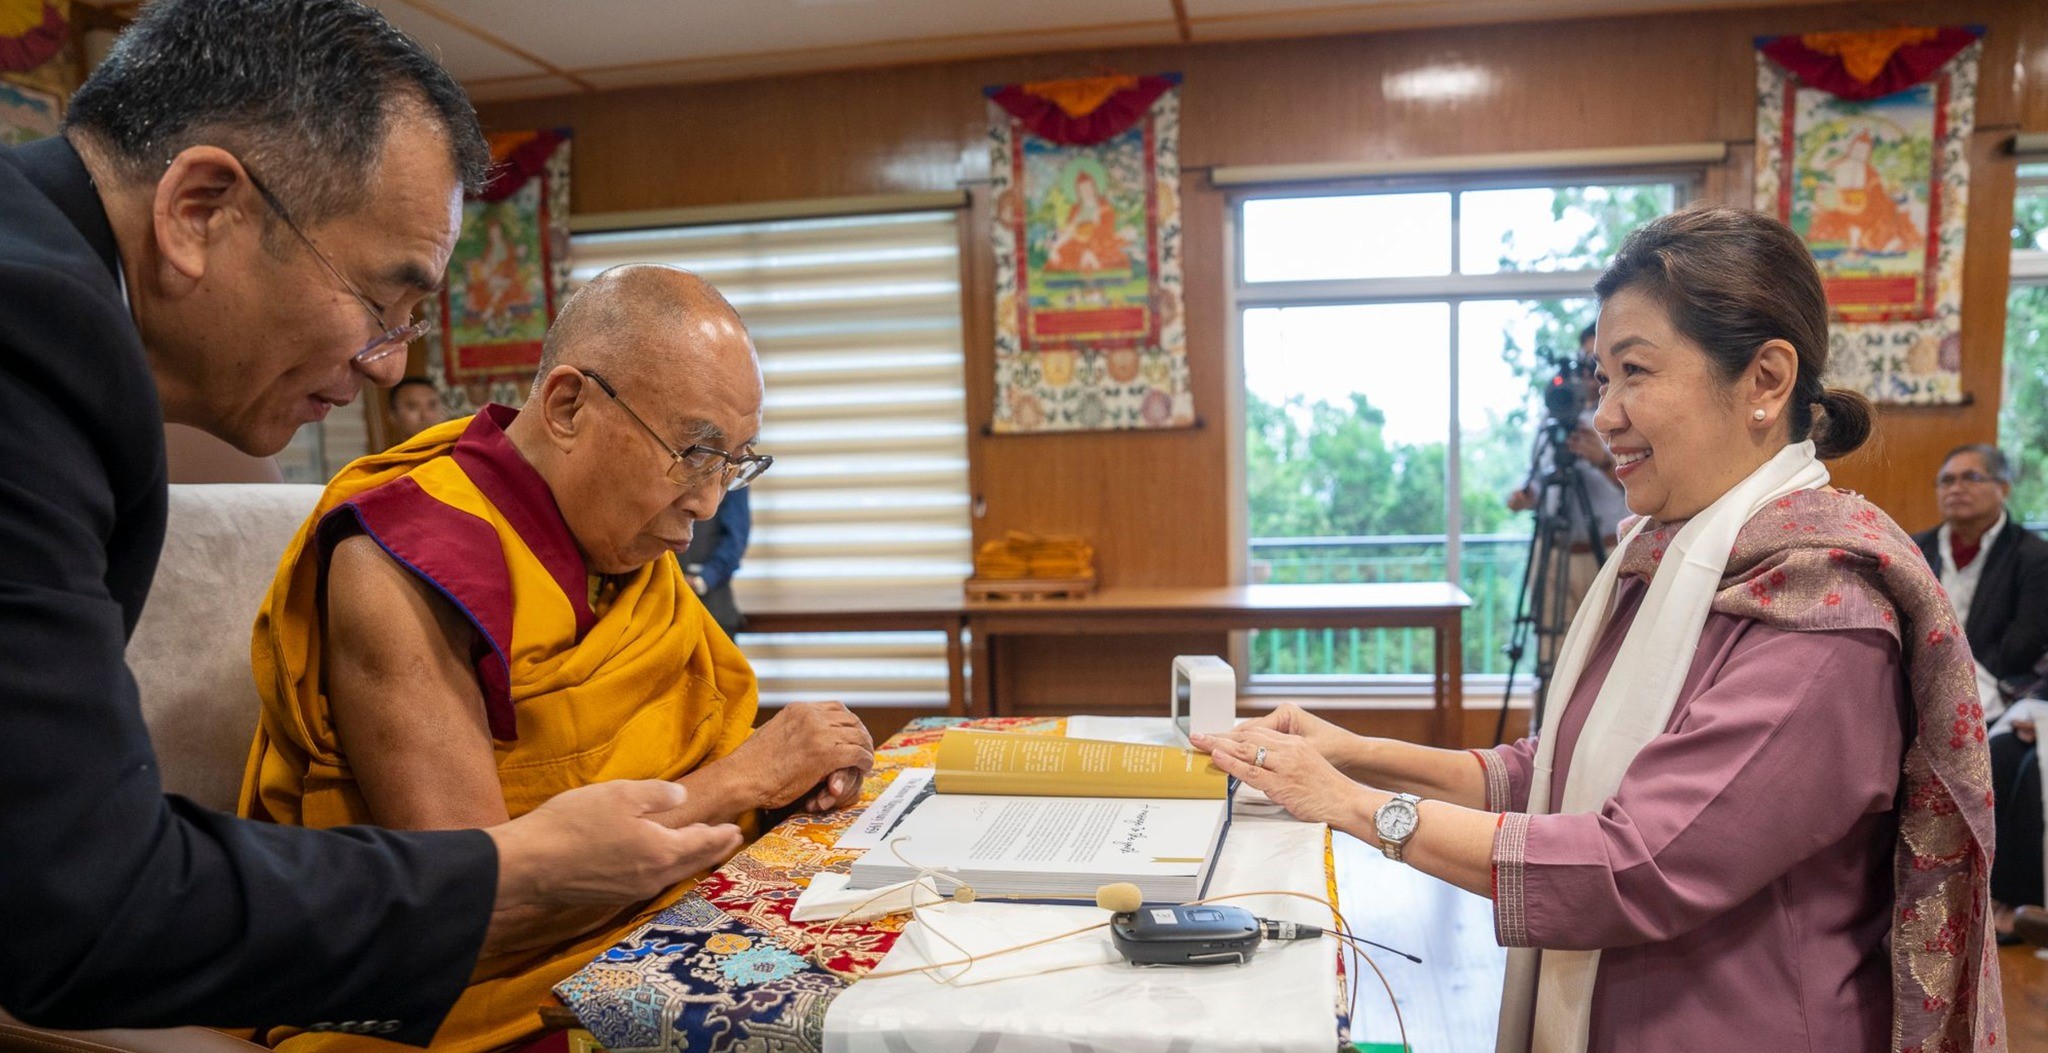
(1337, 476)
(2030, 219)
(2023, 419)
(1325, 469)
(1613, 211)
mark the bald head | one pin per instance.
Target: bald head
(681, 372)
(640, 321)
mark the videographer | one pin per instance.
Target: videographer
(1590, 464)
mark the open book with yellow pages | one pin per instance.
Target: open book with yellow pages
(1043, 818)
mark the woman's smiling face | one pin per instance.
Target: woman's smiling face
(1681, 436)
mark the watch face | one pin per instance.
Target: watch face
(1396, 820)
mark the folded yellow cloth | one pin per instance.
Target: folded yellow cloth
(1021, 555)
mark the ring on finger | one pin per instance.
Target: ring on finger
(1259, 758)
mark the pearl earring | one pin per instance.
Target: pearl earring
(1758, 415)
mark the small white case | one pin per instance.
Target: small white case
(1204, 695)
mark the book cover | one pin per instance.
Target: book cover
(993, 762)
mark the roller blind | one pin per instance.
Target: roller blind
(857, 320)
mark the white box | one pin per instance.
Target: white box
(1204, 695)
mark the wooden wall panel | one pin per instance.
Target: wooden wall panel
(1159, 506)
(1610, 82)
(2031, 71)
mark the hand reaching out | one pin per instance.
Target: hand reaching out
(1325, 738)
(1289, 769)
(600, 845)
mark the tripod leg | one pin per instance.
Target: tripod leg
(1542, 600)
(1518, 634)
(1564, 598)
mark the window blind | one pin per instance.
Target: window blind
(857, 321)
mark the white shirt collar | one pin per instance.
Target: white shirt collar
(1983, 543)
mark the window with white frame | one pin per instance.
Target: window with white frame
(2023, 416)
(857, 321)
(1393, 342)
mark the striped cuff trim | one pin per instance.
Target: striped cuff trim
(1496, 771)
(1510, 852)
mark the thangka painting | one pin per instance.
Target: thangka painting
(508, 274)
(35, 69)
(1861, 149)
(1089, 329)
(27, 114)
(32, 33)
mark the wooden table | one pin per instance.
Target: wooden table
(1436, 606)
(1448, 1003)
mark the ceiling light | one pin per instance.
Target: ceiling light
(1445, 82)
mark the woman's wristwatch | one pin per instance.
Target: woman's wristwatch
(1394, 822)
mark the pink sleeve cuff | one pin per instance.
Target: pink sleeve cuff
(1510, 852)
(1498, 797)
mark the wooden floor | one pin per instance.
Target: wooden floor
(1450, 1001)
(2026, 999)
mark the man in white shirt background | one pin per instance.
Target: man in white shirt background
(1994, 568)
(1996, 574)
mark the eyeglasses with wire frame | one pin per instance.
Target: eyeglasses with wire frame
(691, 465)
(390, 340)
(1970, 476)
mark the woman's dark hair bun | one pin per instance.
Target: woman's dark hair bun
(1843, 424)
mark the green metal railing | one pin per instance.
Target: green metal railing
(1490, 571)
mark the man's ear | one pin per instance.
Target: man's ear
(203, 198)
(564, 392)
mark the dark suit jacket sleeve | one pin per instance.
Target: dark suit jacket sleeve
(120, 906)
(2025, 638)
(735, 519)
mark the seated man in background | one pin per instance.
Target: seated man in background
(714, 557)
(415, 407)
(1996, 574)
(495, 614)
(1994, 569)
(2017, 807)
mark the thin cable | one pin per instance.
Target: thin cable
(1342, 933)
(972, 958)
(1391, 1000)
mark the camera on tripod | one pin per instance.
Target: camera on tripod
(1564, 396)
(1564, 525)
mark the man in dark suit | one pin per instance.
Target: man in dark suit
(714, 555)
(1995, 570)
(249, 199)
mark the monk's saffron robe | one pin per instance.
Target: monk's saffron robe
(582, 681)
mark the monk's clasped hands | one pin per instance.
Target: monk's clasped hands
(813, 755)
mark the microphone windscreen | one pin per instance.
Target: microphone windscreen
(1119, 898)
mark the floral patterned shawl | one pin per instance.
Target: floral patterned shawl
(1825, 559)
